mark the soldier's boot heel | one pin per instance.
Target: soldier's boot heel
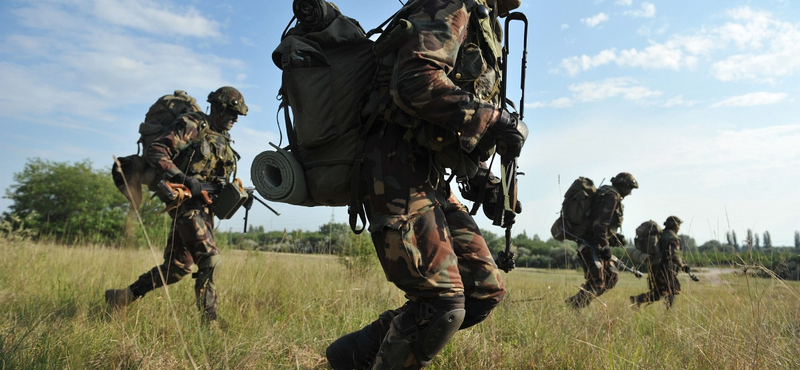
(119, 298)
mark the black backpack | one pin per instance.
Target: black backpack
(327, 66)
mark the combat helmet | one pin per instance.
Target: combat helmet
(228, 98)
(624, 179)
(672, 221)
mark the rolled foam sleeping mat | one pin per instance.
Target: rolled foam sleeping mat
(279, 177)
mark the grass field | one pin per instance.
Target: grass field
(280, 311)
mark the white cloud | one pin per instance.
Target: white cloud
(656, 56)
(84, 67)
(678, 101)
(648, 11)
(586, 92)
(627, 88)
(624, 2)
(752, 45)
(564, 26)
(156, 18)
(595, 20)
(752, 99)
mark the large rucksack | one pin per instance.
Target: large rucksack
(162, 113)
(573, 221)
(131, 172)
(645, 249)
(327, 66)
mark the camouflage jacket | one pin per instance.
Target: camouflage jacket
(193, 148)
(447, 72)
(606, 215)
(670, 245)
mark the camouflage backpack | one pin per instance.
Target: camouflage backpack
(645, 250)
(573, 221)
(131, 172)
(162, 113)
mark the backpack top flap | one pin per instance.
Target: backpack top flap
(163, 112)
(342, 30)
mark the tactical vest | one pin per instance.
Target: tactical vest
(477, 70)
(209, 155)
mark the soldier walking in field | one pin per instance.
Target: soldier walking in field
(195, 150)
(445, 117)
(594, 252)
(663, 277)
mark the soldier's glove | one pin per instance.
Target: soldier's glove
(619, 240)
(686, 269)
(192, 183)
(505, 261)
(604, 252)
(510, 133)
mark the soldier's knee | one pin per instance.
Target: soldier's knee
(477, 310)
(173, 274)
(422, 330)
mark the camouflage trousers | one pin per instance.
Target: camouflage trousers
(601, 276)
(662, 280)
(428, 244)
(191, 241)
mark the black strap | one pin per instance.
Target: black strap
(356, 207)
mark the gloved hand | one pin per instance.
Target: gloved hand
(505, 261)
(190, 182)
(604, 252)
(618, 240)
(686, 269)
(510, 133)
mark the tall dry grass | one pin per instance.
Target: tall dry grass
(280, 311)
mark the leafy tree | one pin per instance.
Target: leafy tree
(688, 244)
(710, 246)
(797, 239)
(69, 202)
(767, 240)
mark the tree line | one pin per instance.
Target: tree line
(73, 203)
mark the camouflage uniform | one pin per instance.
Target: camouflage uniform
(427, 242)
(195, 148)
(662, 279)
(601, 276)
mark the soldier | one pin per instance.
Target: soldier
(444, 80)
(196, 149)
(606, 217)
(663, 277)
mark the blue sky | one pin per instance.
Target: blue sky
(698, 99)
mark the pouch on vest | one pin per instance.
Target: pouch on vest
(228, 201)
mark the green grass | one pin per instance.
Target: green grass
(280, 311)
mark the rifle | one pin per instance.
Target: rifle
(614, 258)
(692, 276)
(178, 193)
(249, 203)
(504, 216)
